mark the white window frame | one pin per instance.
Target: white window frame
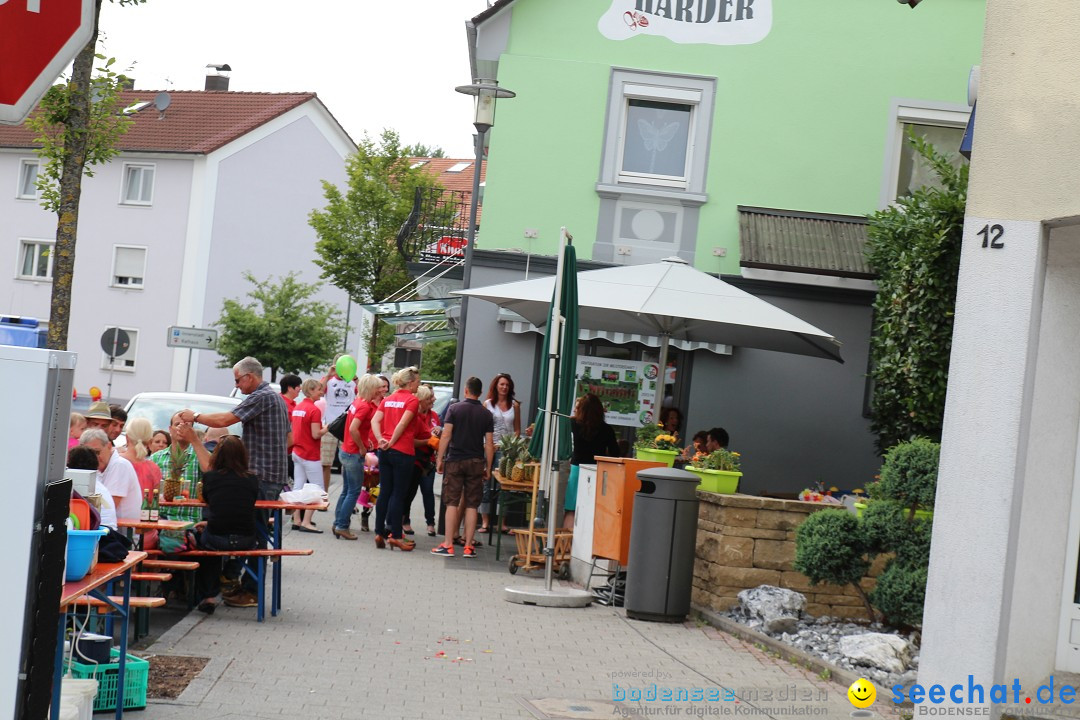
(23, 244)
(112, 274)
(132, 354)
(698, 92)
(657, 94)
(24, 163)
(124, 183)
(916, 112)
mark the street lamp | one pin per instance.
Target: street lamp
(486, 93)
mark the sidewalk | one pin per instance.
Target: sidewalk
(362, 629)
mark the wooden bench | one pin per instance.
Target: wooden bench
(259, 573)
(150, 577)
(133, 602)
(168, 564)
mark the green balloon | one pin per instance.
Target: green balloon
(346, 368)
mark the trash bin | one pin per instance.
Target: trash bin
(663, 535)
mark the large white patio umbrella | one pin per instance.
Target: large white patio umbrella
(672, 300)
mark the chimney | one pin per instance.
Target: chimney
(127, 83)
(217, 77)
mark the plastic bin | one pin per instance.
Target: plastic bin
(136, 675)
(663, 536)
(81, 551)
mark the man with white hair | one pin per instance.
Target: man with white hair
(267, 432)
(115, 473)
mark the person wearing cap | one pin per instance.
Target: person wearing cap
(115, 473)
(98, 416)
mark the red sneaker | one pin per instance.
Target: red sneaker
(443, 549)
(468, 552)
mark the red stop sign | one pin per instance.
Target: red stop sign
(38, 39)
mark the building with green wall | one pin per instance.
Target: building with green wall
(749, 137)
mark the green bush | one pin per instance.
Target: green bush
(830, 547)
(883, 525)
(900, 592)
(909, 473)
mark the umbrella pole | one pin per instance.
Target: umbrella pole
(550, 427)
(661, 378)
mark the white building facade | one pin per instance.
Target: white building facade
(218, 185)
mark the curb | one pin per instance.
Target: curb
(837, 675)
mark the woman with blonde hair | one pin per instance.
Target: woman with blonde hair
(357, 443)
(394, 427)
(138, 433)
(423, 478)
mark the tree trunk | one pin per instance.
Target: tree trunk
(70, 191)
(866, 601)
(373, 346)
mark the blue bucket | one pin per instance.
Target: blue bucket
(81, 549)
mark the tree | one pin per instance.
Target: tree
(357, 229)
(420, 150)
(78, 124)
(915, 248)
(283, 327)
(830, 548)
(438, 360)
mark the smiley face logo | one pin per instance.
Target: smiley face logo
(862, 693)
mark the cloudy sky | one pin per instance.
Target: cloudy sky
(374, 63)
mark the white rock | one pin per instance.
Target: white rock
(777, 609)
(880, 650)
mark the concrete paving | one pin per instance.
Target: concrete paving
(385, 634)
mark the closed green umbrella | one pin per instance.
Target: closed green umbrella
(557, 383)
(565, 363)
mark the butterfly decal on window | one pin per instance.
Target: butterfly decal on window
(656, 138)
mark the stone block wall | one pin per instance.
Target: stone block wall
(745, 541)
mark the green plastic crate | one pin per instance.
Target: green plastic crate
(136, 675)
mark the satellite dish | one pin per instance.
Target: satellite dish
(162, 101)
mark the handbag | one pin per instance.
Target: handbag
(337, 426)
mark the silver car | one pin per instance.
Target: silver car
(159, 407)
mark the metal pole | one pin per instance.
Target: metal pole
(555, 332)
(661, 380)
(466, 273)
(187, 375)
(112, 362)
(348, 309)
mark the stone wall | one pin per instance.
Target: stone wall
(745, 541)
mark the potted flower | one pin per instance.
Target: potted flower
(719, 471)
(654, 443)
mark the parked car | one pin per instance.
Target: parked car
(158, 407)
(444, 392)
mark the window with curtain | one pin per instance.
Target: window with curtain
(129, 266)
(914, 171)
(28, 172)
(138, 184)
(656, 140)
(36, 259)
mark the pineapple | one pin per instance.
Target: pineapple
(504, 466)
(518, 473)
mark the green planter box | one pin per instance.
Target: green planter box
(722, 482)
(919, 514)
(665, 456)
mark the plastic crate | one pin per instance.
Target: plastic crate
(136, 675)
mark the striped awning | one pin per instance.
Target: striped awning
(521, 325)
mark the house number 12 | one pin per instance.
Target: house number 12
(991, 235)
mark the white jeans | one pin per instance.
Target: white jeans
(306, 471)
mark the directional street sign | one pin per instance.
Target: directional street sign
(38, 39)
(194, 338)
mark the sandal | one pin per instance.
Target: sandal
(459, 541)
(484, 530)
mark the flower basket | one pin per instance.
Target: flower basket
(664, 456)
(722, 482)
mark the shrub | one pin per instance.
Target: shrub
(883, 525)
(900, 592)
(909, 473)
(830, 547)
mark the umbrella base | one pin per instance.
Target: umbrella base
(560, 598)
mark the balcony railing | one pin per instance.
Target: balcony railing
(437, 227)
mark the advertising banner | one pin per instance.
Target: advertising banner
(625, 387)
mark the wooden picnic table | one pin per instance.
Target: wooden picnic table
(277, 508)
(162, 524)
(92, 584)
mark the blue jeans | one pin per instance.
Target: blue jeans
(395, 476)
(352, 478)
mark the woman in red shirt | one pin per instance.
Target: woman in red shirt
(307, 432)
(357, 443)
(423, 477)
(395, 431)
